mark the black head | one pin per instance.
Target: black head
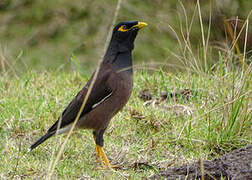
(122, 43)
(128, 27)
(125, 33)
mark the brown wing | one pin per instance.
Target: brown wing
(100, 90)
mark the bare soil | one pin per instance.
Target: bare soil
(236, 165)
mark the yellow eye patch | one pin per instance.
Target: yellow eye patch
(123, 28)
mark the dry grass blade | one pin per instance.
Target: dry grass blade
(235, 39)
(202, 35)
(5, 63)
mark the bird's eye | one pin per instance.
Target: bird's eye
(123, 28)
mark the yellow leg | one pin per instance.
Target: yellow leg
(98, 154)
(102, 155)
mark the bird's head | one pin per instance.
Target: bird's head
(125, 33)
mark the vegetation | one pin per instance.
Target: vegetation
(39, 78)
(142, 138)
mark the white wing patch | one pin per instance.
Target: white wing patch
(64, 129)
(96, 104)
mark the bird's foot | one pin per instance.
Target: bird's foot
(102, 158)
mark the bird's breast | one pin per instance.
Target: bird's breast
(124, 84)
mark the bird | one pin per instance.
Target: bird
(110, 92)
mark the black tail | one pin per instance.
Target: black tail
(41, 140)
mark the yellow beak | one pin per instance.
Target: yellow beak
(141, 25)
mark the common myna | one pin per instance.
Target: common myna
(111, 90)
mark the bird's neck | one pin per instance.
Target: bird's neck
(121, 59)
(123, 62)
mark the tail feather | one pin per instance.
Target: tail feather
(41, 140)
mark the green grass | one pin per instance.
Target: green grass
(141, 139)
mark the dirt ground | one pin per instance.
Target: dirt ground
(236, 165)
